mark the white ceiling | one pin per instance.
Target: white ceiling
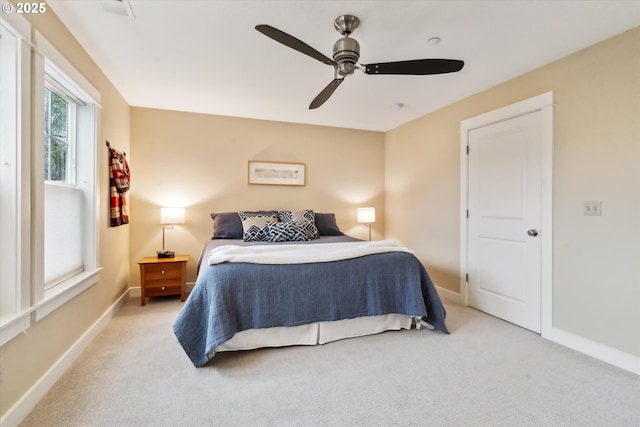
(206, 56)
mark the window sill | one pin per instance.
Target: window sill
(12, 325)
(65, 291)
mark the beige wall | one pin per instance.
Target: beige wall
(411, 175)
(596, 273)
(26, 358)
(200, 162)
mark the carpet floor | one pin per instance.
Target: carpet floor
(487, 372)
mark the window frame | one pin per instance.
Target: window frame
(17, 317)
(49, 63)
(70, 151)
(23, 150)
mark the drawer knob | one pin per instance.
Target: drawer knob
(163, 288)
(162, 271)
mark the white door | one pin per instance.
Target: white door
(504, 217)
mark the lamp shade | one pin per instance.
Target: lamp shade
(366, 215)
(172, 215)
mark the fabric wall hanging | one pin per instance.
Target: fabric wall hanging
(119, 180)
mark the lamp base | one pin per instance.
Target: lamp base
(166, 254)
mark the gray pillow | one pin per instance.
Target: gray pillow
(326, 223)
(227, 225)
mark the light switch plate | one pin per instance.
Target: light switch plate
(592, 208)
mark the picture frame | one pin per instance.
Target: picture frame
(276, 173)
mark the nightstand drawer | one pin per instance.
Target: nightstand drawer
(163, 289)
(162, 282)
(167, 270)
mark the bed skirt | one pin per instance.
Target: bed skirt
(315, 333)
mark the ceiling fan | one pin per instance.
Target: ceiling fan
(346, 52)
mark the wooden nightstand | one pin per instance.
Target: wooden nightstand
(162, 276)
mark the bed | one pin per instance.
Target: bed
(300, 291)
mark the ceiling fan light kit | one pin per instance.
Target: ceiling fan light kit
(346, 53)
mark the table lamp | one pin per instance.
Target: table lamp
(367, 216)
(170, 216)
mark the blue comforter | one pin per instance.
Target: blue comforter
(233, 297)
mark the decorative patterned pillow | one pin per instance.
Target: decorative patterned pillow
(255, 227)
(289, 231)
(306, 218)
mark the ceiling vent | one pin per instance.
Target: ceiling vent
(118, 7)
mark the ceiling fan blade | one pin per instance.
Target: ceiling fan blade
(416, 67)
(325, 94)
(293, 43)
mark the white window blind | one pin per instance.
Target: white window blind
(63, 233)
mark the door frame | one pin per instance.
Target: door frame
(544, 104)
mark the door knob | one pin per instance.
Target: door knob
(533, 232)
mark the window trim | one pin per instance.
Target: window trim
(63, 72)
(58, 295)
(16, 322)
(34, 57)
(48, 61)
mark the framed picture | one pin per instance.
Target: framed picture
(276, 173)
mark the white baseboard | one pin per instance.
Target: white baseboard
(448, 296)
(596, 350)
(29, 400)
